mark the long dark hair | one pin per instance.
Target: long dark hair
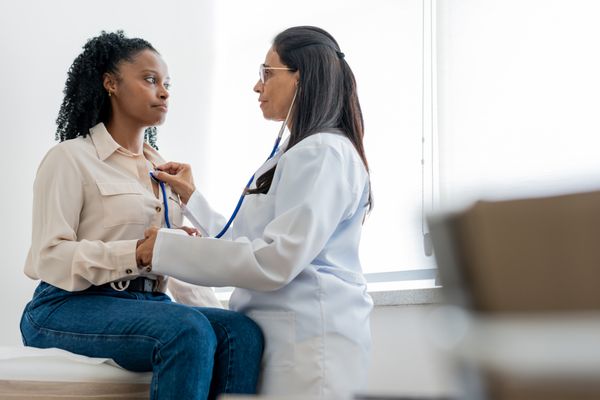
(326, 95)
(86, 101)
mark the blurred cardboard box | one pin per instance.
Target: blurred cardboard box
(526, 255)
(527, 272)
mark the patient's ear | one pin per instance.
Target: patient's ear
(109, 81)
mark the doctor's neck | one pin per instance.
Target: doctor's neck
(127, 134)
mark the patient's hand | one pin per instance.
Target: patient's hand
(143, 252)
(145, 247)
(179, 177)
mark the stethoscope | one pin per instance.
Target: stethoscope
(243, 195)
(164, 196)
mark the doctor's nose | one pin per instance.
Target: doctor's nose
(258, 87)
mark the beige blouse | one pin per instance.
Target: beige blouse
(92, 201)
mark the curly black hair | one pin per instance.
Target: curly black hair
(86, 101)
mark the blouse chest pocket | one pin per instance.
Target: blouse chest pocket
(122, 203)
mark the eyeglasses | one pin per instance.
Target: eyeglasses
(263, 68)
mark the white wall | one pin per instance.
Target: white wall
(404, 360)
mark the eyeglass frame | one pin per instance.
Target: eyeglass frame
(262, 68)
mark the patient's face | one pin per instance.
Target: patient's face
(142, 90)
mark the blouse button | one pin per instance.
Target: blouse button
(148, 269)
(158, 209)
(128, 271)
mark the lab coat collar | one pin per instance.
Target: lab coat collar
(270, 162)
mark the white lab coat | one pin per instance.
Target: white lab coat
(293, 256)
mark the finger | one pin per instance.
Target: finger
(168, 178)
(171, 167)
(168, 165)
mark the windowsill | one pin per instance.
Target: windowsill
(405, 293)
(414, 292)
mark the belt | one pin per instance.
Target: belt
(139, 284)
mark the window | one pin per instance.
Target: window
(517, 98)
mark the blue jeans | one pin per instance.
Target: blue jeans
(193, 352)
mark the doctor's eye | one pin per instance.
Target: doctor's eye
(167, 85)
(150, 79)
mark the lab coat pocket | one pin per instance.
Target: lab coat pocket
(279, 330)
(122, 203)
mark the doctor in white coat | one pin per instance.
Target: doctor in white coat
(292, 250)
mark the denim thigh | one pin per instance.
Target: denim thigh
(128, 327)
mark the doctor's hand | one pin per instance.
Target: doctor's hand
(190, 231)
(179, 177)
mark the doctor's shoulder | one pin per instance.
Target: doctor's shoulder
(318, 144)
(338, 154)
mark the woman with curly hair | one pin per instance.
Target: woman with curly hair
(93, 199)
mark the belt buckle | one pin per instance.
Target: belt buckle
(149, 285)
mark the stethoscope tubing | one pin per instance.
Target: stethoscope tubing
(243, 195)
(237, 207)
(165, 202)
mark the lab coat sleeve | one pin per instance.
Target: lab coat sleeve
(56, 255)
(312, 198)
(199, 212)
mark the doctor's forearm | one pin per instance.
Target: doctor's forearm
(216, 262)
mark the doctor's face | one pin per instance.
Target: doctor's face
(275, 94)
